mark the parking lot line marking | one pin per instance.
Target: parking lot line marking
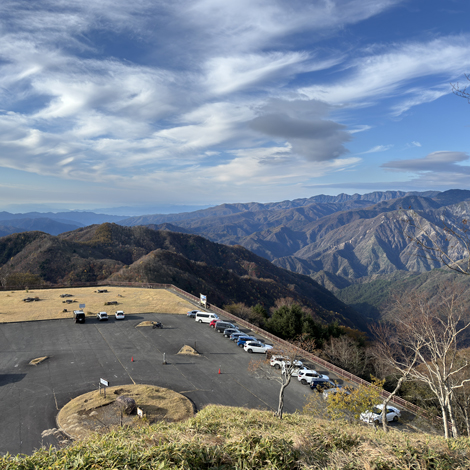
(57, 408)
(260, 399)
(115, 355)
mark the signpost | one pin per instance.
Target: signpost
(105, 384)
(140, 412)
(81, 306)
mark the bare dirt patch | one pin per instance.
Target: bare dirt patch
(51, 306)
(188, 350)
(92, 412)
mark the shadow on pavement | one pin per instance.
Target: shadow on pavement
(11, 378)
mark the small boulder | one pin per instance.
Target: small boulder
(126, 404)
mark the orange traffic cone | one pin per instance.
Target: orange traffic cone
(219, 371)
(132, 359)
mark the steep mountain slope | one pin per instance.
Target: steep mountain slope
(373, 298)
(53, 259)
(226, 274)
(317, 237)
(377, 246)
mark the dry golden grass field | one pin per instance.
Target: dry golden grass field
(50, 305)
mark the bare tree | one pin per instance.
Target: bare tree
(288, 360)
(428, 329)
(461, 91)
(395, 357)
(461, 396)
(345, 353)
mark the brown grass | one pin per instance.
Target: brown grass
(188, 351)
(50, 306)
(38, 360)
(145, 323)
(93, 412)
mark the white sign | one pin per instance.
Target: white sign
(140, 413)
(104, 382)
(81, 306)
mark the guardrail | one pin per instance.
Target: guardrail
(280, 342)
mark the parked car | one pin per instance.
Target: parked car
(204, 317)
(294, 371)
(229, 331)
(243, 339)
(213, 322)
(256, 347)
(321, 385)
(278, 361)
(235, 336)
(375, 416)
(119, 315)
(102, 316)
(192, 313)
(79, 316)
(338, 389)
(223, 325)
(306, 376)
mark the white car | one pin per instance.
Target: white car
(375, 416)
(119, 315)
(280, 361)
(256, 347)
(306, 376)
(102, 316)
(295, 371)
(333, 391)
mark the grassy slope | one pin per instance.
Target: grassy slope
(223, 437)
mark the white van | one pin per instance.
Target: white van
(203, 317)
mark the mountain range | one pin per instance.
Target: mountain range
(336, 240)
(339, 241)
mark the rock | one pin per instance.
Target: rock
(126, 404)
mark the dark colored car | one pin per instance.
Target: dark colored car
(229, 331)
(220, 326)
(243, 339)
(321, 385)
(235, 336)
(79, 316)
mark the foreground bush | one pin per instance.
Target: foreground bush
(223, 438)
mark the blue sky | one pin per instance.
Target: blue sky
(116, 103)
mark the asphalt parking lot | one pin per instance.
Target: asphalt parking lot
(81, 354)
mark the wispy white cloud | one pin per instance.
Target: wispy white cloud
(378, 148)
(144, 92)
(386, 73)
